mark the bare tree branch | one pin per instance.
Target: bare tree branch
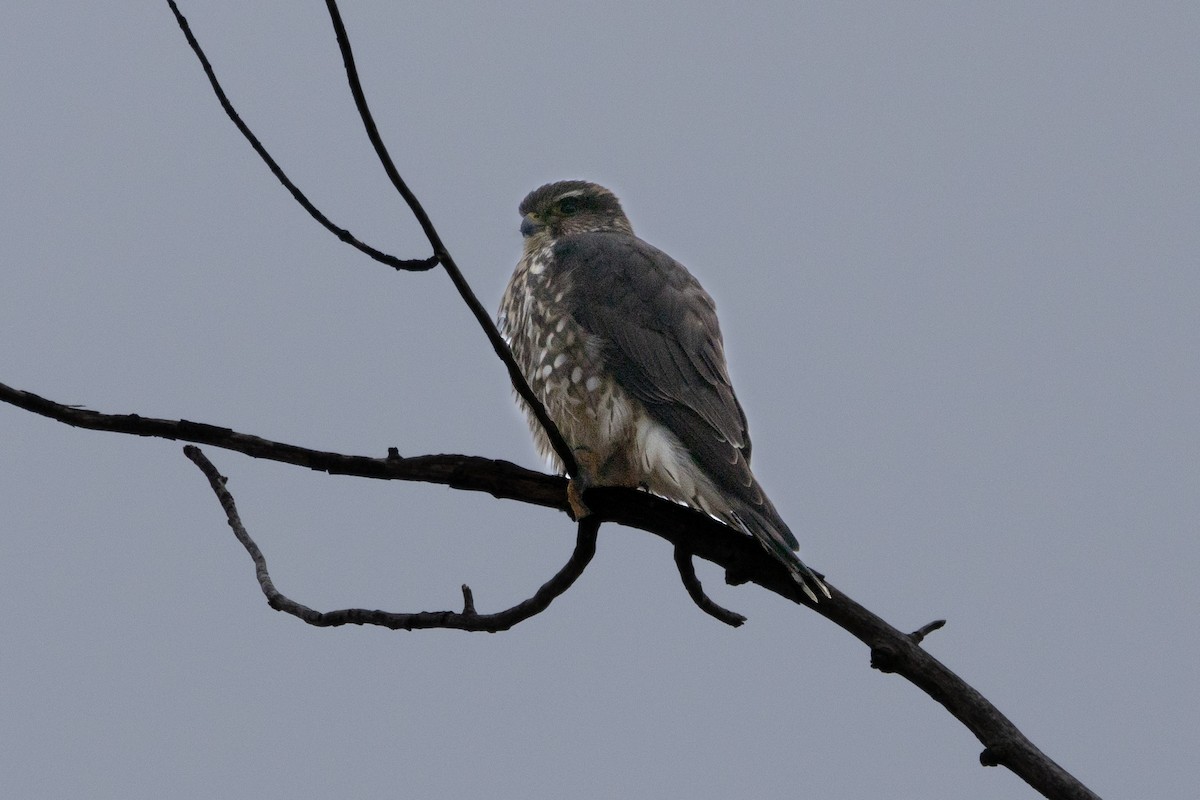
(440, 254)
(499, 478)
(687, 573)
(742, 558)
(920, 633)
(466, 620)
(412, 265)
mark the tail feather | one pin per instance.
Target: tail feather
(765, 524)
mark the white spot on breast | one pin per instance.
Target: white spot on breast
(576, 375)
(562, 323)
(559, 360)
(593, 383)
(537, 267)
(546, 370)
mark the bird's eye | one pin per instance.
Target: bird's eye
(568, 205)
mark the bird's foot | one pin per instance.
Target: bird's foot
(575, 490)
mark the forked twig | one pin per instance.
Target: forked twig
(466, 620)
(411, 265)
(440, 254)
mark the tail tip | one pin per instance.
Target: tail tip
(810, 582)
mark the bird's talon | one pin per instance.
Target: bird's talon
(579, 509)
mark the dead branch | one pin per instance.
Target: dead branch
(501, 479)
(891, 650)
(687, 573)
(440, 254)
(412, 265)
(466, 620)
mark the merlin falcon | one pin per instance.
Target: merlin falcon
(622, 346)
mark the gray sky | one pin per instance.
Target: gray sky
(955, 249)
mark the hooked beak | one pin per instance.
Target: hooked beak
(529, 226)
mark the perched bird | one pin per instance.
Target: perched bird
(621, 345)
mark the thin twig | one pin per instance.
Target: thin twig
(410, 265)
(565, 455)
(920, 633)
(687, 573)
(468, 600)
(466, 620)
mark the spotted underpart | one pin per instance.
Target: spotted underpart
(564, 366)
(622, 346)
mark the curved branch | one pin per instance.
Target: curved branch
(466, 620)
(695, 590)
(368, 121)
(411, 265)
(742, 558)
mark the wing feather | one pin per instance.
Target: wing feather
(661, 338)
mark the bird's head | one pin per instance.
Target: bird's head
(569, 207)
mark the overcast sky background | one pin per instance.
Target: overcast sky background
(956, 252)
